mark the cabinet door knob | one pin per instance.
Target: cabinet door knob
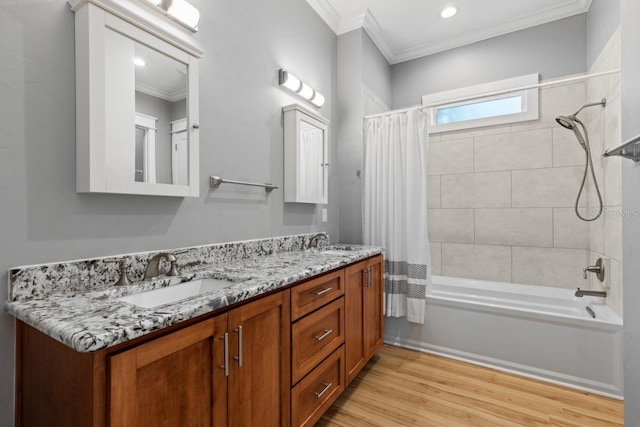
(196, 126)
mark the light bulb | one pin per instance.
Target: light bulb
(184, 12)
(317, 100)
(290, 81)
(305, 91)
(139, 62)
(449, 11)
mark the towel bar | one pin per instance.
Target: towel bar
(215, 181)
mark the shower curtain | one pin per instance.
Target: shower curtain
(394, 207)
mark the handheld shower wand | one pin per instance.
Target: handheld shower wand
(572, 122)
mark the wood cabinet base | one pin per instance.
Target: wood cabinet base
(178, 376)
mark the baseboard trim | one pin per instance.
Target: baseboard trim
(577, 383)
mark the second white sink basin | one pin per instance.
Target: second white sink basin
(175, 293)
(338, 252)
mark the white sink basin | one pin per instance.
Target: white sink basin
(339, 250)
(343, 252)
(170, 294)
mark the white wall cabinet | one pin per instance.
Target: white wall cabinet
(132, 61)
(306, 156)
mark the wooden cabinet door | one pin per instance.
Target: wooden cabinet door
(372, 311)
(259, 350)
(355, 277)
(167, 381)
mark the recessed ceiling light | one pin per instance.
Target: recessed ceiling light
(449, 11)
(139, 62)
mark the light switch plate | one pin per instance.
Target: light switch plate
(324, 215)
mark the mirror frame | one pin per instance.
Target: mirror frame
(92, 24)
(293, 115)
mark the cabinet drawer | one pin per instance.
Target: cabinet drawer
(315, 293)
(317, 391)
(316, 336)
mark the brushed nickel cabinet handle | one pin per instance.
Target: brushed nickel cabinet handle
(239, 356)
(370, 276)
(366, 277)
(327, 332)
(322, 292)
(225, 367)
(319, 394)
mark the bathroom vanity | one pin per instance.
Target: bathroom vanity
(276, 346)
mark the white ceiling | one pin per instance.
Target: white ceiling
(409, 29)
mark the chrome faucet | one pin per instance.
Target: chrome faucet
(313, 241)
(580, 293)
(598, 269)
(153, 266)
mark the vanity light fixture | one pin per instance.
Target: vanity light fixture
(179, 10)
(449, 12)
(300, 88)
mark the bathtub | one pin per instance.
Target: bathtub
(539, 332)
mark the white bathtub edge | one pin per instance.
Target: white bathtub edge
(577, 383)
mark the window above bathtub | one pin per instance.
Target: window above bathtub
(496, 103)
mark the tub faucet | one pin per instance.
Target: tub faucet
(153, 266)
(580, 293)
(598, 269)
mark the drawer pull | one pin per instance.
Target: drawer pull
(327, 332)
(319, 394)
(322, 292)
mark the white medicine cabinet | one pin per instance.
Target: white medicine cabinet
(306, 156)
(136, 101)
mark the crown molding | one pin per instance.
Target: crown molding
(379, 38)
(327, 13)
(367, 20)
(542, 17)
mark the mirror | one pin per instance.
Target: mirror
(161, 97)
(306, 156)
(137, 109)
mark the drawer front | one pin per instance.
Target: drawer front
(316, 336)
(317, 391)
(315, 293)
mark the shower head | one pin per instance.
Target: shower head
(566, 122)
(569, 122)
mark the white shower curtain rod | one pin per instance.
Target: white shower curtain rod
(498, 92)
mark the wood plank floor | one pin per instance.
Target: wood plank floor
(401, 387)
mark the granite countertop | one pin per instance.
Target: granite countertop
(94, 320)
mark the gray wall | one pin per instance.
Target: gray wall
(43, 219)
(376, 71)
(602, 20)
(359, 63)
(630, 11)
(349, 158)
(554, 49)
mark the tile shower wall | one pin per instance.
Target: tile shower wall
(604, 125)
(501, 199)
